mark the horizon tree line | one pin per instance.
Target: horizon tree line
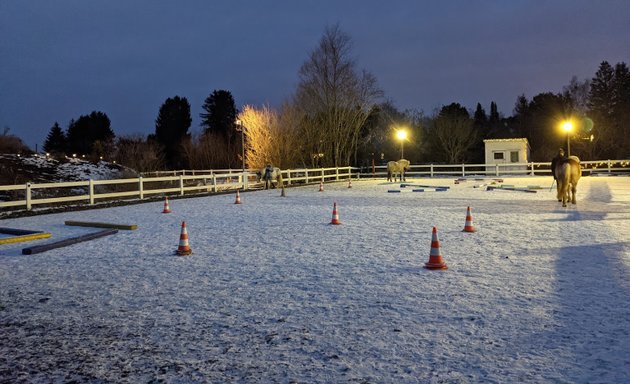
(337, 116)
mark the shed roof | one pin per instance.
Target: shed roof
(522, 139)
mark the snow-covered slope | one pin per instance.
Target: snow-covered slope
(40, 168)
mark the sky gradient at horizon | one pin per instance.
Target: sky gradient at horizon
(67, 58)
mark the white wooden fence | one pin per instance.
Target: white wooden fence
(213, 181)
(89, 191)
(544, 168)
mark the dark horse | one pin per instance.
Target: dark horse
(568, 173)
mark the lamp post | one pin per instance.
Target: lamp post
(568, 127)
(401, 135)
(240, 124)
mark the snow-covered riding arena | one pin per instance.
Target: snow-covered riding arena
(274, 293)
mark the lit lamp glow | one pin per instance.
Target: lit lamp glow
(401, 135)
(567, 126)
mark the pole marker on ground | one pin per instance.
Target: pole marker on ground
(129, 227)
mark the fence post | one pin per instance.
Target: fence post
(181, 185)
(91, 191)
(245, 181)
(336, 173)
(28, 196)
(214, 183)
(322, 175)
(431, 170)
(609, 166)
(532, 166)
(463, 170)
(140, 188)
(306, 175)
(496, 169)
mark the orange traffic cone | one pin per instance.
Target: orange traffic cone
(184, 248)
(349, 183)
(167, 209)
(469, 227)
(435, 257)
(238, 197)
(335, 216)
(321, 186)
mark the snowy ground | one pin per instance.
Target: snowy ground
(273, 293)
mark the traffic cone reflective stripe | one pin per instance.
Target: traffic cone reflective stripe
(184, 248)
(435, 256)
(238, 197)
(335, 216)
(321, 186)
(469, 227)
(167, 209)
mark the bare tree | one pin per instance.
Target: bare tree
(453, 133)
(270, 137)
(139, 154)
(207, 151)
(334, 98)
(454, 136)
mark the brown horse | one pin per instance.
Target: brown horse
(568, 172)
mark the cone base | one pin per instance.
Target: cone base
(469, 229)
(183, 252)
(335, 222)
(237, 202)
(435, 266)
(166, 211)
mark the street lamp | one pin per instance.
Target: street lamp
(240, 124)
(567, 126)
(401, 135)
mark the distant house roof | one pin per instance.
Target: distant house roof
(522, 139)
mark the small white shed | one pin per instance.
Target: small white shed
(507, 151)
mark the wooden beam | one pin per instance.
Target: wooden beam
(30, 237)
(66, 242)
(101, 225)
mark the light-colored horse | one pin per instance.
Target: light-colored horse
(269, 175)
(397, 167)
(568, 173)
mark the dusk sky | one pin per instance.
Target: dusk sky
(62, 59)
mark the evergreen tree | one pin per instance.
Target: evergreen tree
(519, 124)
(495, 128)
(218, 122)
(480, 119)
(56, 140)
(86, 131)
(602, 109)
(171, 129)
(621, 112)
(481, 128)
(220, 113)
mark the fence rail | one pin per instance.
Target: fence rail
(213, 181)
(533, 168)
(182, 182)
